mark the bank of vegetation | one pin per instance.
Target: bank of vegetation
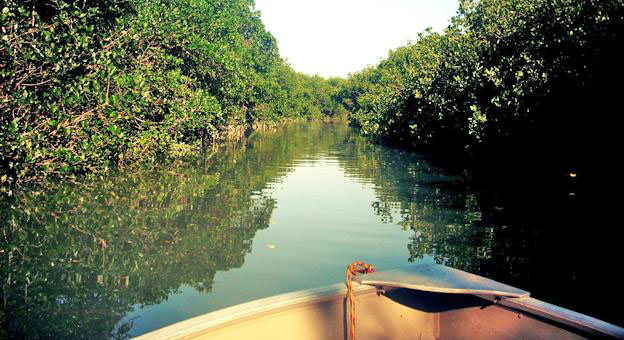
(506, 79)
(89, 85)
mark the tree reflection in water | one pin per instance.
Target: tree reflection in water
(548, 233)
(76, 257)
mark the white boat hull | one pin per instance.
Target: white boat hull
(397, 314)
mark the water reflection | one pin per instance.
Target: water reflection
(91, 259)
(550, 234)
(441, 210)
(77, 257)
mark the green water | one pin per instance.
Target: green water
(287, 210)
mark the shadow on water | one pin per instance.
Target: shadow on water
(554, 233)
(75, 258)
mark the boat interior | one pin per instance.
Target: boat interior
(393, 313)
(425, 301)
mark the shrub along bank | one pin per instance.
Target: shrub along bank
(86, 85)
(505, 78)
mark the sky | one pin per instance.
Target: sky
(337, 37)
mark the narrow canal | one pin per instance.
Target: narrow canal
(286, 210)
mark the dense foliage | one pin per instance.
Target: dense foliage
(85, 85)
(505, 75)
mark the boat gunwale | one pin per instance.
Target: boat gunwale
(221, 318)
(557, 314)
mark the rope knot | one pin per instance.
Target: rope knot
(354, 269)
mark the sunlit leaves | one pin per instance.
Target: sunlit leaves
(137, 80)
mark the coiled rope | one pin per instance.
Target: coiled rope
(354, 269)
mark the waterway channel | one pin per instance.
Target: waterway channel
(286, 209)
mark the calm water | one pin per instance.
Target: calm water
(288, 210)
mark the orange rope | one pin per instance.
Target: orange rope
(354, 269)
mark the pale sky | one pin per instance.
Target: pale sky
(338, 37)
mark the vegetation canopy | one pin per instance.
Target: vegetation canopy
(505, 78)
(86, 85)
